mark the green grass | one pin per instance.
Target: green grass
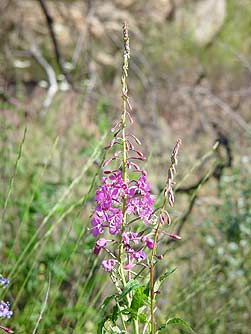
(46, 223)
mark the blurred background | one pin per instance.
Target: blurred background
(60, 93)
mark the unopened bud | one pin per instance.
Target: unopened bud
(174, 236)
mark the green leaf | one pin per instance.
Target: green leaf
(166, 274)
(139, 298)
(101, 326)
(107, 301)
(147, 289)
(161, 279)
(176, 320)
(131, 285)
(142, 318)
(115, 314)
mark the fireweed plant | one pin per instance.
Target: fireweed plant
(128, 227)
(5, 311)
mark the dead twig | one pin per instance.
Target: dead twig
(226, 109)
(51, 76)
(58, 54)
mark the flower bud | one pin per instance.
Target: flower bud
(174, 236)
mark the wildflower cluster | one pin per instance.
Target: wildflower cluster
(109, 214)
(5, 311)
(124, 219)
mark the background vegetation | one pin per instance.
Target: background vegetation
(51, 149)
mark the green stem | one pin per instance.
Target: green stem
(152, 298)
(136, 326)
(121, 318)
(124, 164)
(151, 270)
(124, 175)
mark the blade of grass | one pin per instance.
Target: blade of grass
(12, 180)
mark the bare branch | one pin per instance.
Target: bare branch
(58, 55)
(227, 110)
(51, 76)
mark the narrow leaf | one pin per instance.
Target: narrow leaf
(131, 285)
(162, 278)
(107, 301)
(178, 321)
(166, 274)
(115, 314)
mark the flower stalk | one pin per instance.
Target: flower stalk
(124, 210)
(125, 101)
(167, 195)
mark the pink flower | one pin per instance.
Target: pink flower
(129, 266)
(130, 236)
(115, 195)
(107, 265)
(115, 221)
(149, 242)
(139, 256)
(101, 243)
